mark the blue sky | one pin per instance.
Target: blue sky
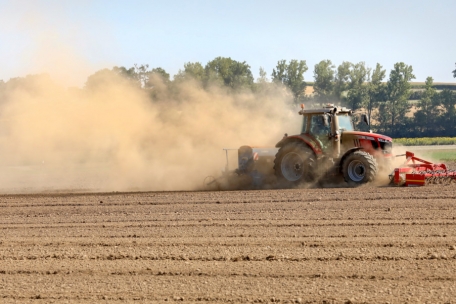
(72, 39)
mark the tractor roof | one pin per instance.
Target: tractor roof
(329, 108)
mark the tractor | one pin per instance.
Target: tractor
(327, 150)
(329, 147)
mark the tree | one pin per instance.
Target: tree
(428, 108)
(341, 79)
(324, 81)
(447, 99)
(357, 94)
(376, 90)
(142, 75)
(454, 73)
(295, 81)
(126, 73)
(262, 85)
(102, 78)
(398, 88)
(138, 75)
(292, 76)
(229, 72)
(192, 70)
(263, 76)
(160, 72)
(279, 73)
(383, 117)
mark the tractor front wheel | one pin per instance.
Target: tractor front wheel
(359, 168)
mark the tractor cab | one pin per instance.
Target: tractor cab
(323, 128)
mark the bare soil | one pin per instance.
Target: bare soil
(334, 245)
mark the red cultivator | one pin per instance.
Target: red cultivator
(419, 172)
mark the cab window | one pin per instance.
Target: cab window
(318, 126)
(345, 123)
(304, 124)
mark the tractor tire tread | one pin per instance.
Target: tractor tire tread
(370, 163)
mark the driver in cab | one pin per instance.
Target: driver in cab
(321, 130)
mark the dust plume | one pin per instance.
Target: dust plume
(115, 137)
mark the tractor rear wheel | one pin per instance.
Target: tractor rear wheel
(295, 163)
(359, 168)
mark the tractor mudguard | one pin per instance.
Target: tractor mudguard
(309, 141)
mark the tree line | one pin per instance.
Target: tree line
(387, 101)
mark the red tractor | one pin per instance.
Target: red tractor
(329, 146)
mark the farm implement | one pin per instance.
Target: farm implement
(254, 170)
(419, 172)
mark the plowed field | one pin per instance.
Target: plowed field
(336, 245)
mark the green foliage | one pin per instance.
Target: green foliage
(430, 152)
(383, 117)
(426, 141)
(263, 76)
(358, 92)
(341, 79)
(104, 77)
(324, 81)
(228, 72)
(161, 72)
(142, 75)
(376, 90)
(447, 99)
(443, 155)
(279, 73)
(354, 85)
(124, 72)
(138, 75)
(417, 94)
(438, 86)
(263, 85)
(192, 71)
(433, 154)
(428, 107)
(292, 76)
(398, 88)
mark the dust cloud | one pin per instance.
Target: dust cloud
(115, 137)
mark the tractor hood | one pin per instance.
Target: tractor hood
(366, 135)
(370, 142)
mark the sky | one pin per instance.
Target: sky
(71, 40)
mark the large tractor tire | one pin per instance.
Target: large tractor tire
(359, 168)
(294, 164)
